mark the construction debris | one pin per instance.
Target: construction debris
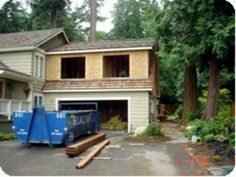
(91, 155)
(136, 144)
(115, 123)
(99, 158)
(77, 148)
(113, 146)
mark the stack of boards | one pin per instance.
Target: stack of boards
(77, 148)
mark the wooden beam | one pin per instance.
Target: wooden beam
(81, 146)
(91, 155)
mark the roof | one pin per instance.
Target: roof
(4, 69)
(28, 39)
(65, 85)
(144, 43)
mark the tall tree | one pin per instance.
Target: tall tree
(51, 8)
(127, 20)
(14, 17)
(93, 19)
(188, 31)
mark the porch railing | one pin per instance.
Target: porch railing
(8, 106)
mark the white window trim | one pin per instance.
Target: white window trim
(39, 68)
(128, 99)
(38, 95)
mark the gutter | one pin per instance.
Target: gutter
(98, 50)
(96, 90)
(16, 49)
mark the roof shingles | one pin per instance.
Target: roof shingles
(112, 44)
(26, 39)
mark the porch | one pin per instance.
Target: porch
(8, 106)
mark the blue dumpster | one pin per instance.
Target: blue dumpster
(51, 128)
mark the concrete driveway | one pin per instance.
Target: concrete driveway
(128, 158)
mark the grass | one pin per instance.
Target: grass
(7, 136)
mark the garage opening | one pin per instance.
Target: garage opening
(113, 115)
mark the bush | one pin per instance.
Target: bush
(7, 136)
(217, 158)
(218, 128)
(151, 130)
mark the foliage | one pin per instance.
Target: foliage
(7, 136)
(217, 158)
(152, 130)
(177, 114)
(127, 20)
(14, 17)
(218, 128)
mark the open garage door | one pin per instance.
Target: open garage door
(113, 114)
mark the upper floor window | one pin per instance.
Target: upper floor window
(39, 66)
(73, 68)
(116, 66)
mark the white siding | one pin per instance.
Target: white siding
(19, 61)
(139, 103)
(37, 85)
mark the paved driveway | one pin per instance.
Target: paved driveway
(128, 158)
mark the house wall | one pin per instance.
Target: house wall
(139, 64)
(138, 103)
(14, 90)
(19, 61)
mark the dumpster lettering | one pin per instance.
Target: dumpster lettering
(56, 133)
(80, 119)
(22, 132)
(18, 115)
(60, 116)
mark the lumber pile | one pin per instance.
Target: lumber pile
(77, 148)
(115, 123)
(83, 162)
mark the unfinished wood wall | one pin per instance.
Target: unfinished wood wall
(94, 64)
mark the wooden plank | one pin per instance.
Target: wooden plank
(81, 146)
(93, 153)
(99, 158)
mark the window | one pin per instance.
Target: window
(39, 66)
(116, 66)
(38, 100)
(73, 68)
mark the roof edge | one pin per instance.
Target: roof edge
(98, 50)
(16, 49)
(52, 36)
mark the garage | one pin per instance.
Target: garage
(113, 114)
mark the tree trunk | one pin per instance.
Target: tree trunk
(190, 92)
(93, 19)
(213, 89)
(53, 18)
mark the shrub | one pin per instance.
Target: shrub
(152, 130)
(218, 128)
(217, 158)
(7, 136)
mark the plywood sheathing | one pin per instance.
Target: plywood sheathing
(94, 64)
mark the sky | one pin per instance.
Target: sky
(105, 11)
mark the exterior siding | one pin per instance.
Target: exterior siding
(94, 64)
(38, 85)
(19, 61)
(138, 105)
